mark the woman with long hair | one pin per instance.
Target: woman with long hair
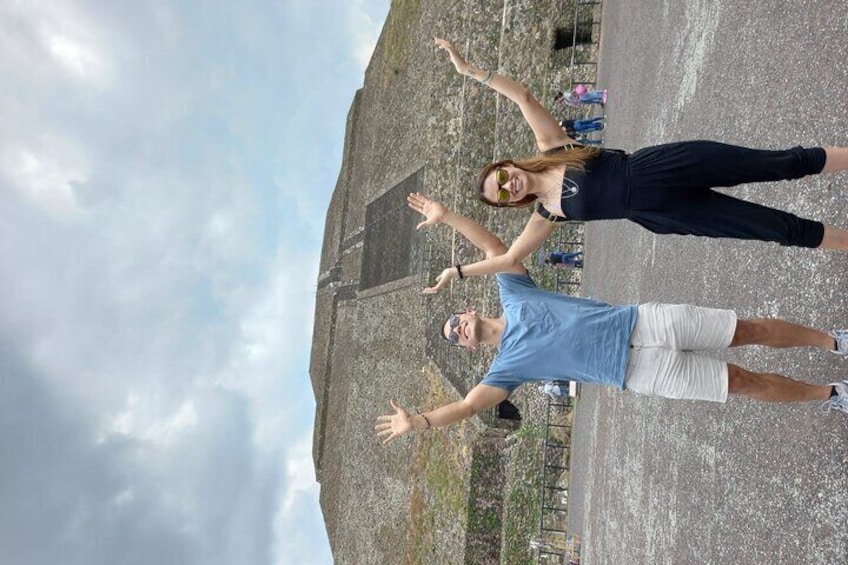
(667, 189)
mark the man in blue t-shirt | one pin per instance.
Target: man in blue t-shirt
(652, 349)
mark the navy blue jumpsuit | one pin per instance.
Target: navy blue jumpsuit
(668, 189)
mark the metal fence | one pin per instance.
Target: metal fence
(553, 521)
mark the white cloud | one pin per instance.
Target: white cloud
(47, 182)
(80, 59)
(124, 498)
(289, 524)
(142, 421)
(274, 331)
(364, 30)
(158, 288)
(65, 32)
(300, 472)
(304, 204)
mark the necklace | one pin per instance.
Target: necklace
(551, 195)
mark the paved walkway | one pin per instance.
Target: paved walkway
(659, 481)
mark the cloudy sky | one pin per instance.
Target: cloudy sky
(165, 168)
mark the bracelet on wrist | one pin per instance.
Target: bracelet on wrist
(427, 421)
(488, 78)
(459, 271)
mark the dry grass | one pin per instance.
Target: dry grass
(440, 471)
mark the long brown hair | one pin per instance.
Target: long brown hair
(574, 159)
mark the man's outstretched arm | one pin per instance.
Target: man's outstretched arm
(392, 426)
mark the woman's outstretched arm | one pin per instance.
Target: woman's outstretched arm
(535, 233)
(436, 212)
(545, 127)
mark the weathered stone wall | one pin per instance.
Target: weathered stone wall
(399, 504)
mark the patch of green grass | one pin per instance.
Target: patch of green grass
(439, 496)
(485, 505)
(396, 37)
(522, 501)
(530, 431)
(439, 499)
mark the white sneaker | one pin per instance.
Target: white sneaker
(841, 338)
(839, 402)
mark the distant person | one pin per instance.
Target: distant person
(565, 260)
(667, 189)
(580, 96)
(651, 349)
(573, 128)
(582, 139)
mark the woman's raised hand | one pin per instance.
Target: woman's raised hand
(433, 210)
(442, 281)
(458, 61)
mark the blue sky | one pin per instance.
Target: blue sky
(165, 169)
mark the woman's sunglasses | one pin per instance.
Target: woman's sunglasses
(453, 336)
(501, 178)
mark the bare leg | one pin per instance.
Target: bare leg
(834, 238)
(771, 387)
(779, 333)
(836, 159)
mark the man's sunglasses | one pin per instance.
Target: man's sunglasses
(453, 335)
(501, 178)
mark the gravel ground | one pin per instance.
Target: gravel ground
(660, 481)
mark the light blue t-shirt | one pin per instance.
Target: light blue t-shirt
(552, 336)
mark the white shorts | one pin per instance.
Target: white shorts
(663, 359)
